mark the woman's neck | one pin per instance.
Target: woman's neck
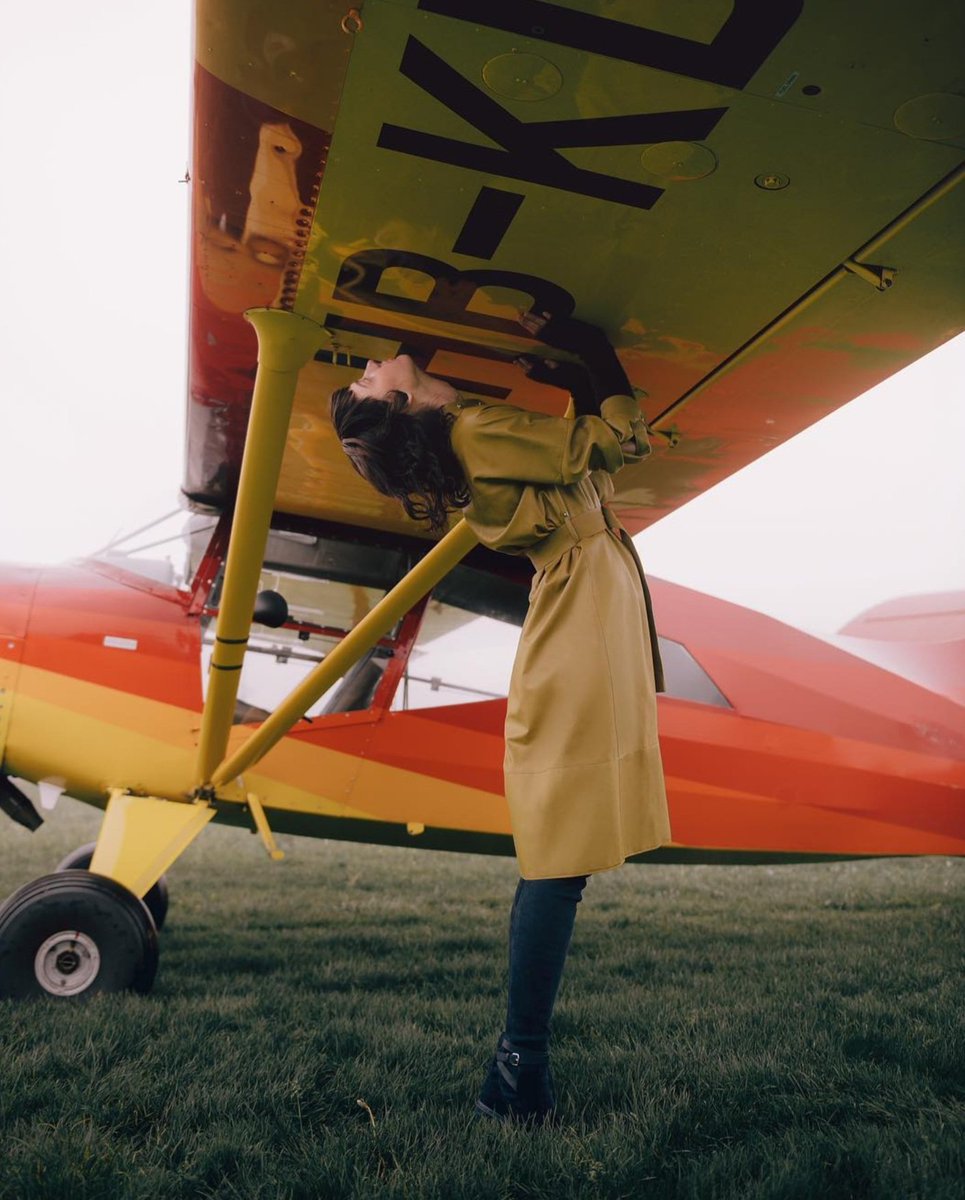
(432, 393)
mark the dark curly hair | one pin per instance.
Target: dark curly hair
(403, 454)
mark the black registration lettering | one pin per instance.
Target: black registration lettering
(530, 149)
(743, 43)
(452, 290)
(490, 216)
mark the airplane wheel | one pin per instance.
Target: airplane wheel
(156, 899)
(73, 934)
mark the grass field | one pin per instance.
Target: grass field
(320, 1028)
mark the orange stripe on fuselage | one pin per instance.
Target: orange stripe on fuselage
(97, 738)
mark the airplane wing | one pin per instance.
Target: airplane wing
(760, 203)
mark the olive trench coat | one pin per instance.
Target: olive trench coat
(584, 781)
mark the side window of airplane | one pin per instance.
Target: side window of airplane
(461, 657)
(463, 653)
(328, 588)
(685, 678)
(277, 660)
(458, 658)
(465, 649)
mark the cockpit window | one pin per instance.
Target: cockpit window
(465, 649)
(458, 658)
(685, 678)
(463, 654)
(277, 660)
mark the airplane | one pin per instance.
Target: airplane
(758, 203)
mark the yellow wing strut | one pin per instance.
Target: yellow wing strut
(392, 607)
(286, 341)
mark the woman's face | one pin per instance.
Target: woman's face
(387, 375)
(382, 377)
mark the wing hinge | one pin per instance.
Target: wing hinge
(879, 277)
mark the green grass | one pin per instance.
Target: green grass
(788, 1032)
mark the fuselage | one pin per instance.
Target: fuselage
(797, 748)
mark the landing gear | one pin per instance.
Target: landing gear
(73, 934)
(156, 899)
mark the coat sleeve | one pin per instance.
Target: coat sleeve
(499, 441)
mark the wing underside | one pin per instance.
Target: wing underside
(759, 203)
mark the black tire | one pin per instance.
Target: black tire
(72, 935)
(156, 899)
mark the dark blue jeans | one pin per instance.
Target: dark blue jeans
(540, 927)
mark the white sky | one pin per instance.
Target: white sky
(867, 505)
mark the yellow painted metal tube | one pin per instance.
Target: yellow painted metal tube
(392, 607)
(286, 341)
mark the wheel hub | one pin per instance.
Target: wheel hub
(67, 963)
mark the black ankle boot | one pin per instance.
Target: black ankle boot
(518, 1087)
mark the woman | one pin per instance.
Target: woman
(583, 775)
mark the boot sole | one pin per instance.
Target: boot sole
(483, 1110)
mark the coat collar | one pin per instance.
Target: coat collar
(455, 407)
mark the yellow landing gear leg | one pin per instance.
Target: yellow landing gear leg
(141, 837)
(77, 932)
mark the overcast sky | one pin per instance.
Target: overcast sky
(95, 140)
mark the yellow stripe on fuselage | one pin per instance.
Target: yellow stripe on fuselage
(97, 738)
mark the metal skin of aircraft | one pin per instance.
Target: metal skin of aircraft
(757, 202)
